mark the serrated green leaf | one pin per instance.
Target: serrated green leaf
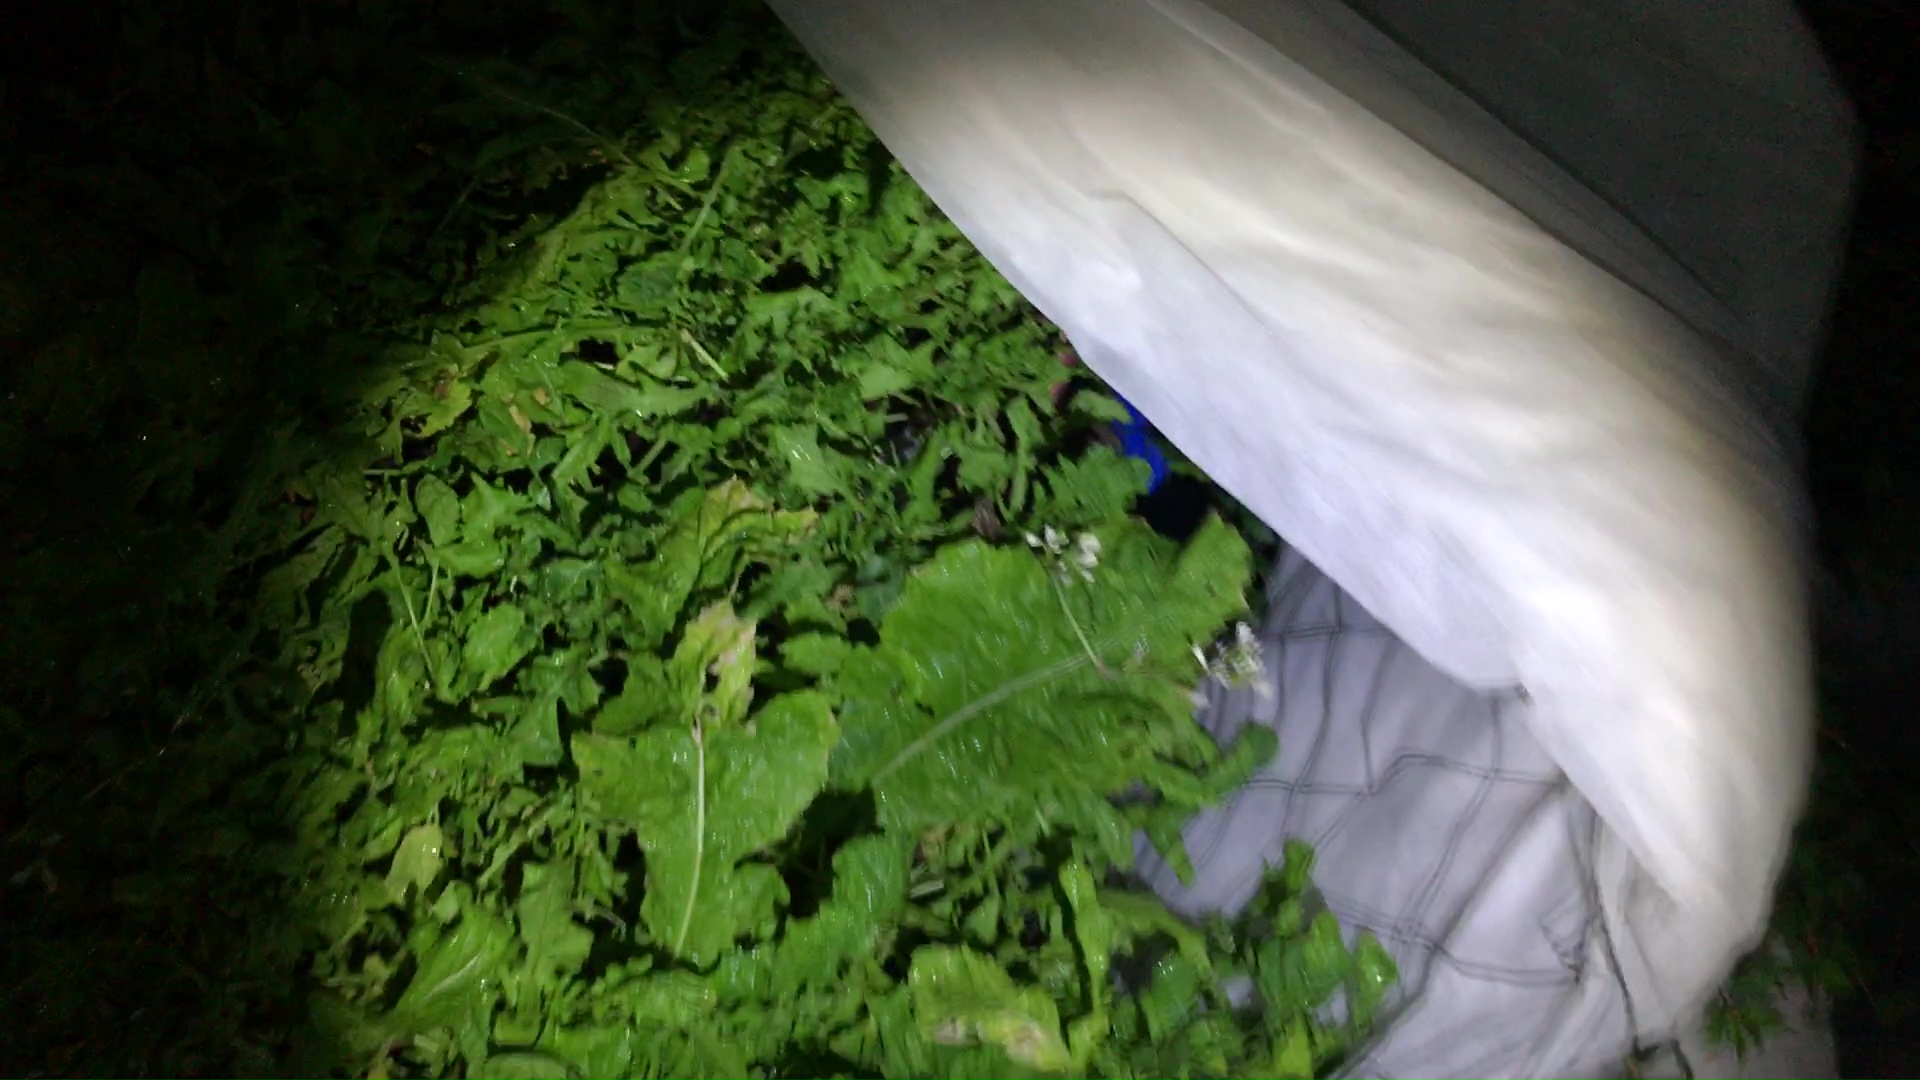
(1374, 975)
(487, 508)
(1095, 487)
(1295, 975)
(646, 698)
(1294, 1057)
(556, 944)
(983, 688)
(869, 892)
(416, 861)
(439, 507)
(878, 380)
(603, 393)
(646, 1052)
(961, 997)
(812, 469)
(498, 641)
(522, 1065)
(700, 801)
(457, 985)
(344, 500)
(473, 558)
(815, 654)
(714, 534)
(714, 667)
(1093, 933)
(673, 999)
(553, 681)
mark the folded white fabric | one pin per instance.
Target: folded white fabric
(1444, 828)
(1506, 408)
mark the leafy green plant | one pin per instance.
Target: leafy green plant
(671, 631)
(553, 594)
(615, 679)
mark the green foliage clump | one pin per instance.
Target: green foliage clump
(616, 596)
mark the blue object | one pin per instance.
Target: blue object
(1137, 441)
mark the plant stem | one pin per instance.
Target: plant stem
(706, 208)
(419, 636)
(975, 708)
(699, 835)
(1060, 594)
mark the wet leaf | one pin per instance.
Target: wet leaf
(962, 997)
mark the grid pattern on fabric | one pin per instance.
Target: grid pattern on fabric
(1440, 825)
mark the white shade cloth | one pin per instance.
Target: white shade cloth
(1445, 828)
(1500, 313)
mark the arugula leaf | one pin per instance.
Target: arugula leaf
(702, 798)
(417, 862)
(995, 678)
(602, 393)
(495, 643)
(713, 535)
(962, 997)
(1093, 933)
(599, 639)
(458, 984)
(556, 944)
(870, 877)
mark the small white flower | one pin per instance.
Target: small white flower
(1049, 540)
(1243, 657)
(1088, 550)
(1052, 543)
(1238, 664)
(1086, 555)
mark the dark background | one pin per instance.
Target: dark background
(1863, 429)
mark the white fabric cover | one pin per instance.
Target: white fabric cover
(1444, 827)
(1506, 352)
